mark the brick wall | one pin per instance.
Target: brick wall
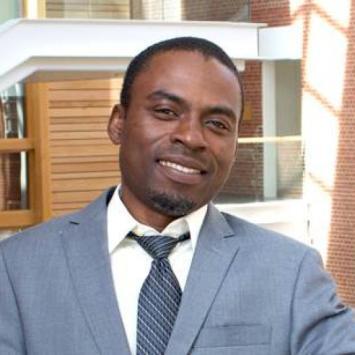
(328, 128)
(246, 179)
(211, 10)
(272, 12)
(341, 251)
(251, 77)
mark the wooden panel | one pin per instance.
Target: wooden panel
(13, 145)
(70, 205)
(75, 95)
(84, 175)
(87, 159)
(76, 196)
(59, 213)
(78, 135)
(84, 167)
(84, 185)
(67, 113)
(84, 103)
(39, 159)
(16, 219)
(83, 159)
(77, 120)
(113, 84)
(74, 142)
(79, 127)
(84, 150)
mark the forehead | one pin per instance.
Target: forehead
(186, 73)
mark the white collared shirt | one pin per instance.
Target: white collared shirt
(131, 264)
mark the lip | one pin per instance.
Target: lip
(182, 170)
(185, 161)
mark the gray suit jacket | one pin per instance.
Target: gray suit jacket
(249, 292)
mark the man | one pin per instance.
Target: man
(102, 281)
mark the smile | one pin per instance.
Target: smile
(179, 168)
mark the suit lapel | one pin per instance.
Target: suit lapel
(85, 244)
(214, 253)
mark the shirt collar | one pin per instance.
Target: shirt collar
(120, 222)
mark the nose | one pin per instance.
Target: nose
(189, 132)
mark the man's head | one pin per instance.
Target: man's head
(190, 44)
(177, 128)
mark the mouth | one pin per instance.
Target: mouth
(180, 168)
(185, 172)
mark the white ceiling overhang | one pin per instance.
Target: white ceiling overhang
(57, 49)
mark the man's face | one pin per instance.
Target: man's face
(178, 137)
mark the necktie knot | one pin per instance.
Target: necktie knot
(158, 246)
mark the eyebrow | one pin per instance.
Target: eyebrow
(221, 110)
(161, 94)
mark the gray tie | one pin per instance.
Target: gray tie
(160, 295)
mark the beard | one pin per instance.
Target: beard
(172, 205)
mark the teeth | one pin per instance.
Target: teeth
(178, 167)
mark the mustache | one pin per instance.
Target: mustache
(180, 149)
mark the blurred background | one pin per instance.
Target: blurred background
(61, 70)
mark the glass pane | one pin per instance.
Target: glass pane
(290, 169)
(13, 181)
(170, 10)
(109, 9)
(265, 171)
(202, 10)
(11, 113)
(10, 9)
(270, 167)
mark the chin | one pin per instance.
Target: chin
(172, 205)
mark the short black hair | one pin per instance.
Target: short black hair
(190, 44)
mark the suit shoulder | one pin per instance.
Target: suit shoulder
(48, 232)
(265, 239)
(34, 236)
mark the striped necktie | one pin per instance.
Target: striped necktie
(160, 295)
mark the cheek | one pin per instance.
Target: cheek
(225, 154)
(225, 170)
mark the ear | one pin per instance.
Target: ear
(236, 147)
(115, 124)
(236, 152)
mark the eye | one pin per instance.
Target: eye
(165, 112)
(218, 125)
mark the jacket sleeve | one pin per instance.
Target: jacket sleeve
(321, 323)
(11, 333)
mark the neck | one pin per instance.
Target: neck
(143, 213)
